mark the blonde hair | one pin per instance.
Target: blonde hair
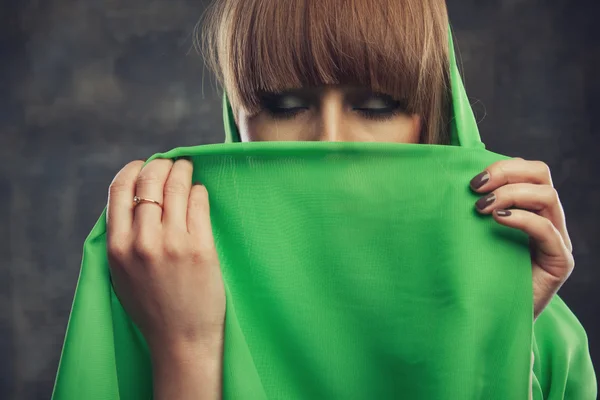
(396, 47)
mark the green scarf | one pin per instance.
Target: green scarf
(351, 271)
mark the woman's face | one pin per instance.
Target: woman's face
(335, 113)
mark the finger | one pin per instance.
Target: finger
(514, 170)
(176, 194)
(149, 185)
(119, 209)
(542, 199)
(551, 261)
(550, 250)
(198, 215)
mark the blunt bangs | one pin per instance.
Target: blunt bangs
(396, 47)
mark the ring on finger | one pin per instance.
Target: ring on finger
(138, 200)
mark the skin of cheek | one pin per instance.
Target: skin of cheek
(399, 129)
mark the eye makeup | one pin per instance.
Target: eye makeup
(379, 107)
(370, 105)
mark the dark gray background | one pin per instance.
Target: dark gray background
(87, 86)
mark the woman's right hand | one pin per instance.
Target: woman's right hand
(163, 262)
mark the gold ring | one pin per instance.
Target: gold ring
(137, 200)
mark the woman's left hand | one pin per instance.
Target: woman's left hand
(528, 186)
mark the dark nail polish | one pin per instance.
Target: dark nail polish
(503, 213)
(485, 201)
(480, 180)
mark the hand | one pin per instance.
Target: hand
(528, 186)
(163, 262)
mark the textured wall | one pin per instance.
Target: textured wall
(87, 86)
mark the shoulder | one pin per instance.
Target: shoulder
(563, 363)
(558, 322)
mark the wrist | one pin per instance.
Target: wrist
(187, 370)
(184, 352)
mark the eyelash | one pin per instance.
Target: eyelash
(379, 115)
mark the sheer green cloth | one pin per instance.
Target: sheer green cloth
(351, 271)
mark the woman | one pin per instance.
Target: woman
(311, 70)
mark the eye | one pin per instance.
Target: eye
(380, 107)
(283, 106)
(376, 103)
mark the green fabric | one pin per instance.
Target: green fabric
(351, 271)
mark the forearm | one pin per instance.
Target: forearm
(187, 372)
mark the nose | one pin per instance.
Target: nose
(331, 118)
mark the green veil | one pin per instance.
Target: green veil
(351, 271)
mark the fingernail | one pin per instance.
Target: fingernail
(503, 213)
(198, 183)
(485, 201)
(480, 180)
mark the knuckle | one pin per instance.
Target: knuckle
(196, 255)
(499, 168)
(503, 163)
(145, 249)
(117, 249)
(148, 178)
(570, 263)
(201, 254)
(553, 195)
(542, 165)
(176, 187)
(545, 170)
(198, 206)
(173, 248)
(120, 182)
(504, 192)
(118, 185)
(548, 228)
